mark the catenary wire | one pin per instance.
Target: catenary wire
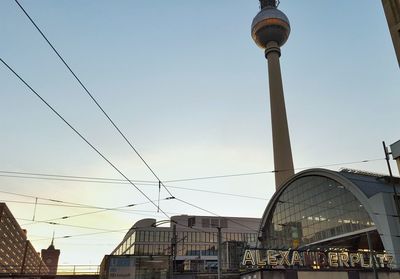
(143, 182)
(118, 209)
(63, 224)
(92, 97)
(139, 184)
(270, 171)
(192, 205)
(80, 135)
(185, 179)
(78, 205)
(64, 217)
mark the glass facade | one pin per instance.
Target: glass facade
(196, 247)
(189, 243)
(312, 209)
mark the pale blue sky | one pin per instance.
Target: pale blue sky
(186, 83)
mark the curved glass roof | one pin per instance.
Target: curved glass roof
(312, 209)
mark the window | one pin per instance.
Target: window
(205, 222)
(214, 222)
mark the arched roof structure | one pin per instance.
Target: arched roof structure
(318, 207)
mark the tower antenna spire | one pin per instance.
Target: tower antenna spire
(52, 239)
(269, 4)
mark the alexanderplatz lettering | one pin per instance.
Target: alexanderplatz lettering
(330, 259)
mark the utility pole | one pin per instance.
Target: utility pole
(396, 198)
(219, 253)
(173, 252)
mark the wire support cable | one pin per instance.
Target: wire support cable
(80, 135)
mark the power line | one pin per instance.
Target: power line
(68, 204)
(80, 235)
(79, 134)
(65, 225)
(92, 97)
(139, 184)
(88, 179)
(75, 205)
(119, 209)
(98, 179)
(83, 178)
(270, 171)
(104, 209)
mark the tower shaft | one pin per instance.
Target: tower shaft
(283, 160)
(392, 12)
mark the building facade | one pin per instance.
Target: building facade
(17, 255)
(392, 12)
(191, 242)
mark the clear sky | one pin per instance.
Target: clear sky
(187, 85)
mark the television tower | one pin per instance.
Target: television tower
(270, 30)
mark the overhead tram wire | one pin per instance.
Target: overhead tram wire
(269, 172)
(80, 235)
(69, 204)
(92, 97)
(97, 179)
(64, 225)
(118, 209)
(104, 209)
(80, 135)
(78, 178)
(140, 184)
(89, 179)
(76, 205)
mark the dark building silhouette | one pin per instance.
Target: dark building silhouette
(50, 257)
(17, 255)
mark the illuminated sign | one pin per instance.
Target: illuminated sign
(317, 260)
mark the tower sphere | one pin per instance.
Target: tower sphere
(270, 25)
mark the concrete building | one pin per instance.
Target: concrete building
(392, 12)
(188, 245)
(17, 255)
